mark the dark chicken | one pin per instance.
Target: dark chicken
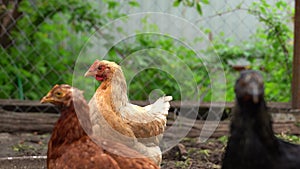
(252, 144)
(71, 147)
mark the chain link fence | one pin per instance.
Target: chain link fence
(40, 42)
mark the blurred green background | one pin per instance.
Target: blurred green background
(41, 40)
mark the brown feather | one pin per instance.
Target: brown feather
(71, 147)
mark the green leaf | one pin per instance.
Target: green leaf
(262, 9)
(205, 1)
(281, 5)
(199, 8)
(134, 3)
(112, 4)
(177, 3)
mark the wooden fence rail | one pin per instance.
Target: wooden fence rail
(43, 121)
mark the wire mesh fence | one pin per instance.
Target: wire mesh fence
(41, 42)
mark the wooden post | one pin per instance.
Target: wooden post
(296, 60)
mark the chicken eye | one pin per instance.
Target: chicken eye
(58, 94)
(102, 67)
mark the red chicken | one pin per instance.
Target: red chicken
(71, 147)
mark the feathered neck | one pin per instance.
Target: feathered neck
(253, 119)
(118, 89)
(68, 127)
(71, 125)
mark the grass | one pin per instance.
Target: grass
(22, 147)
(290, 138)
(184, 164)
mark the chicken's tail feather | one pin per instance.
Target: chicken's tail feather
(161, 106)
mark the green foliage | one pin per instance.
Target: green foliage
(22, 147)
(278, 47)
(290, 138)
(163, 47)
(223, 139)
(269, 50)
(192, 3)
(47, 40)
(45, 47)
(183, 164)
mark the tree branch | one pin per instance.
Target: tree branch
(8, 21)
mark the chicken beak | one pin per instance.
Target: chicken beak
(255, 93)
(46, 99)
(90, 73)
(255, 99)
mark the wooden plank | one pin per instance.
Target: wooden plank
(36, 106)
(43, 123)
(223, 128)
(26, 106)
(27, 122)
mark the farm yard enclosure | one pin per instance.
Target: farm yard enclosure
(45, 43)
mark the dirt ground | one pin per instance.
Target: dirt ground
(191, 154)
(188, 154)
(23, 144)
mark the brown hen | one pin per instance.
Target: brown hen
(145, 123)
(71, 147)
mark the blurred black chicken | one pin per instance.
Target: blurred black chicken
(252, 144)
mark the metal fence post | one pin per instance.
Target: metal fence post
(296, 60)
